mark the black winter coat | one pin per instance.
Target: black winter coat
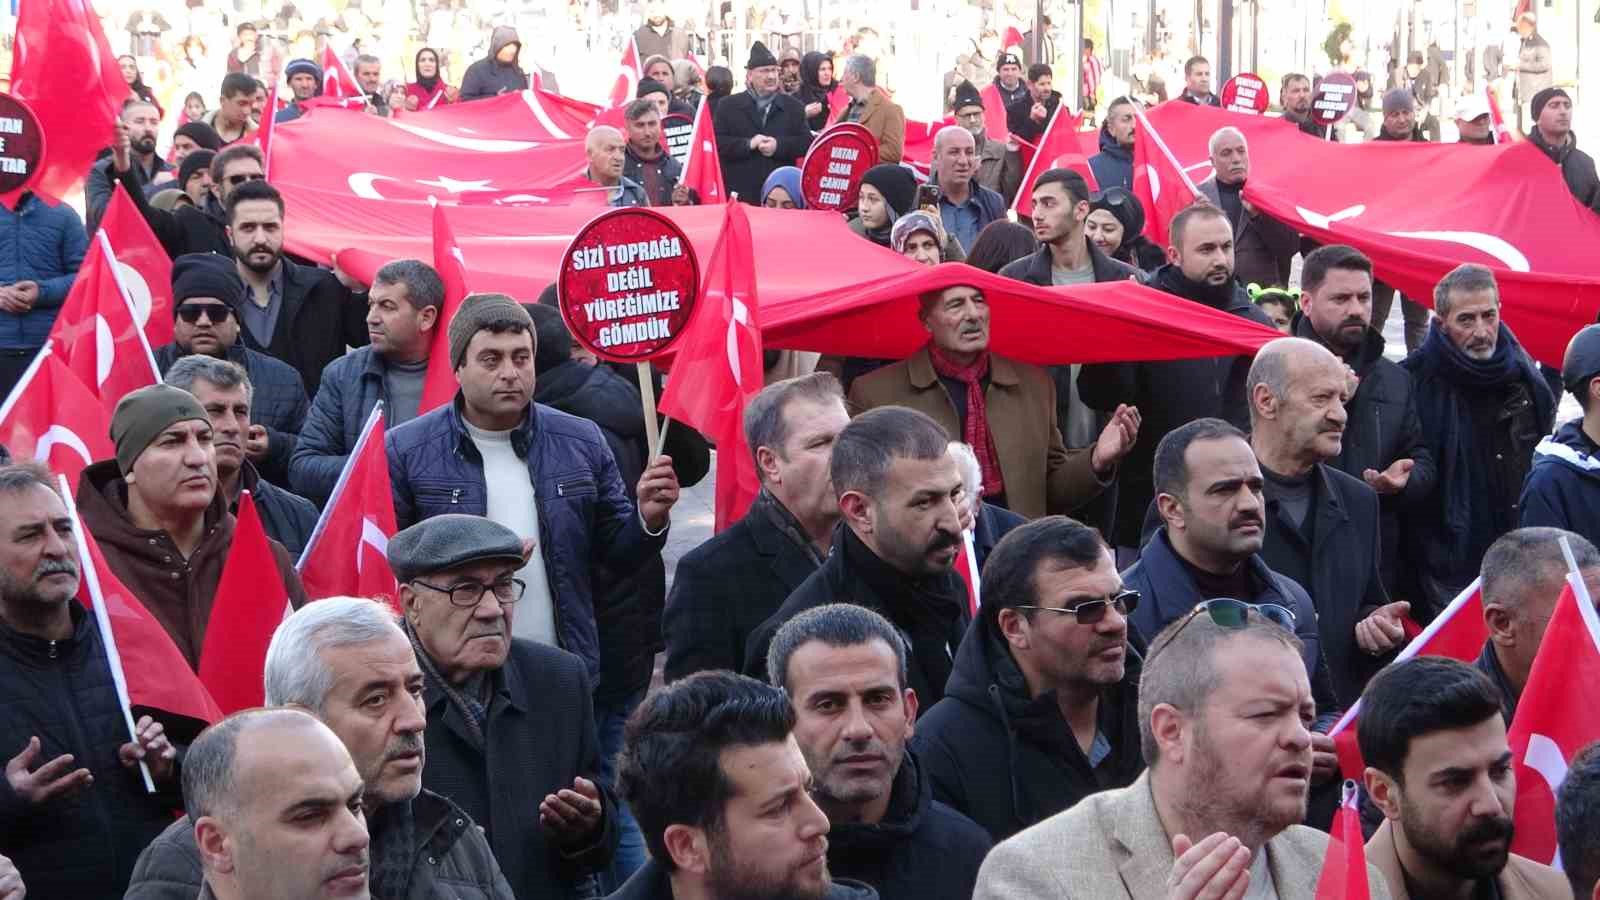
(737, 121)
(61, 692)
(1382, 427)
(319, 319)
(186, 229)
(538, 736)
(921, 850)
(724, 590)
(1168, 394)
(1009, 761)
(931, 613)
(278, 401)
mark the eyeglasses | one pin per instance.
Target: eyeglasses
(1091, 612)
(1227, 612)
(217, 313)
(237, 180)
(468, 594)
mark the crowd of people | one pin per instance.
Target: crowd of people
(1188, 570)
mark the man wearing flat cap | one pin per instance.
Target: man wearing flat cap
(759, 129)
(510, 734)
(158, 517)
(206, 293)
(555, 483)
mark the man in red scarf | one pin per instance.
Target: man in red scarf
(1004, 409)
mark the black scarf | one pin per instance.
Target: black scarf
(1443, 408)
(928, 609)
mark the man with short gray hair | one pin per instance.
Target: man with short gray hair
(346, 661)
(871, 108)
(1483, 407)
(224, 390)
(1263, 247)
(726, 587)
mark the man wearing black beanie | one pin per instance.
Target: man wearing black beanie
(1552, 133)
(760, 129)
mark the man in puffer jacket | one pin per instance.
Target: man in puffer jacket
(41, 247)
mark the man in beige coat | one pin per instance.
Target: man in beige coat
(1005, 409)
(1224, 716)
(1440, 769)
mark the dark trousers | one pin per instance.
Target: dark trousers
(13, 362)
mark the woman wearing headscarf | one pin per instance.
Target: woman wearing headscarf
(782, 189)
(135, 80)
(816, 80)
(429, 90)
(1116, 226)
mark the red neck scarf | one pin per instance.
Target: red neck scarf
(976, 432)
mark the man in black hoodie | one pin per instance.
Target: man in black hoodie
(844, 669)
(1170, 394)
(1042, 708)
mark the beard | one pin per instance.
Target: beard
(733, 878)
(1461, 857)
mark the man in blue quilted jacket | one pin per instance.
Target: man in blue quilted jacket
(41, 247)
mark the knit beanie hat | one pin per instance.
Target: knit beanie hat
(966, 95)
(897, 185)
(477, 312)
(760, 56)
(201, 134)
(1545, 96)
(143, 414)
(196, 162)
(205, 275)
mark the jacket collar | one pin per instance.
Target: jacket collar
(919, 368)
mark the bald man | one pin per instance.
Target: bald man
(276, 804)
(607, 152)
(965, 206)
(1321, 524)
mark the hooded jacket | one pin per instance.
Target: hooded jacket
(1113, 165)
(178, 592)
(1577, 167)
(652, 882)
(489, 77)
(43, 243)
(1008, 760)
(920, 850)
(1563, 487)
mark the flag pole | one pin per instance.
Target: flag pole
(91, 578)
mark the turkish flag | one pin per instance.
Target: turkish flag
(337, 82)
(1555, 718)
(1058, 149)
(146, 268)
(1344, 867)
(64, 69)
(628, 75)
(97, 333)
(1458, 633)
(251, 602)
(702, 170)
(150, 673)
(1159, 180)
(994, 113)
(53, 417)
(346, 556)
(439, 382)
(718, 367)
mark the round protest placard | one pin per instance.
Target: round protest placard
(1246, 93)
(676, 131)
(1334, 99)
(830, 177)
(21, 145)
(628, 284)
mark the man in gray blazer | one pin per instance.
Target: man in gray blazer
(1225, 712)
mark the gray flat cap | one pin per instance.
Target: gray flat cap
(444, 542)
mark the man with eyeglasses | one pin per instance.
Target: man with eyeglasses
(1225, 712)
(1042, 708)
(1209, 496)
(205, 300)
(510, 733)
(999, 169)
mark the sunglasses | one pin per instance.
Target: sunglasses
(216, 313)
(1092, 612)
(1226, 612)
(237, 180)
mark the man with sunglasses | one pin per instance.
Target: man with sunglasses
(510, 733)
(1042, 707)
(205, 298)
(1225, 712)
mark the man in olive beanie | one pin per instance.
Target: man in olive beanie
(156, 513)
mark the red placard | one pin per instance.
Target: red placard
(1334, 99)
(628, 284)
(1246, 93)
(677, 130)
(830, 177)
(21, 145)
